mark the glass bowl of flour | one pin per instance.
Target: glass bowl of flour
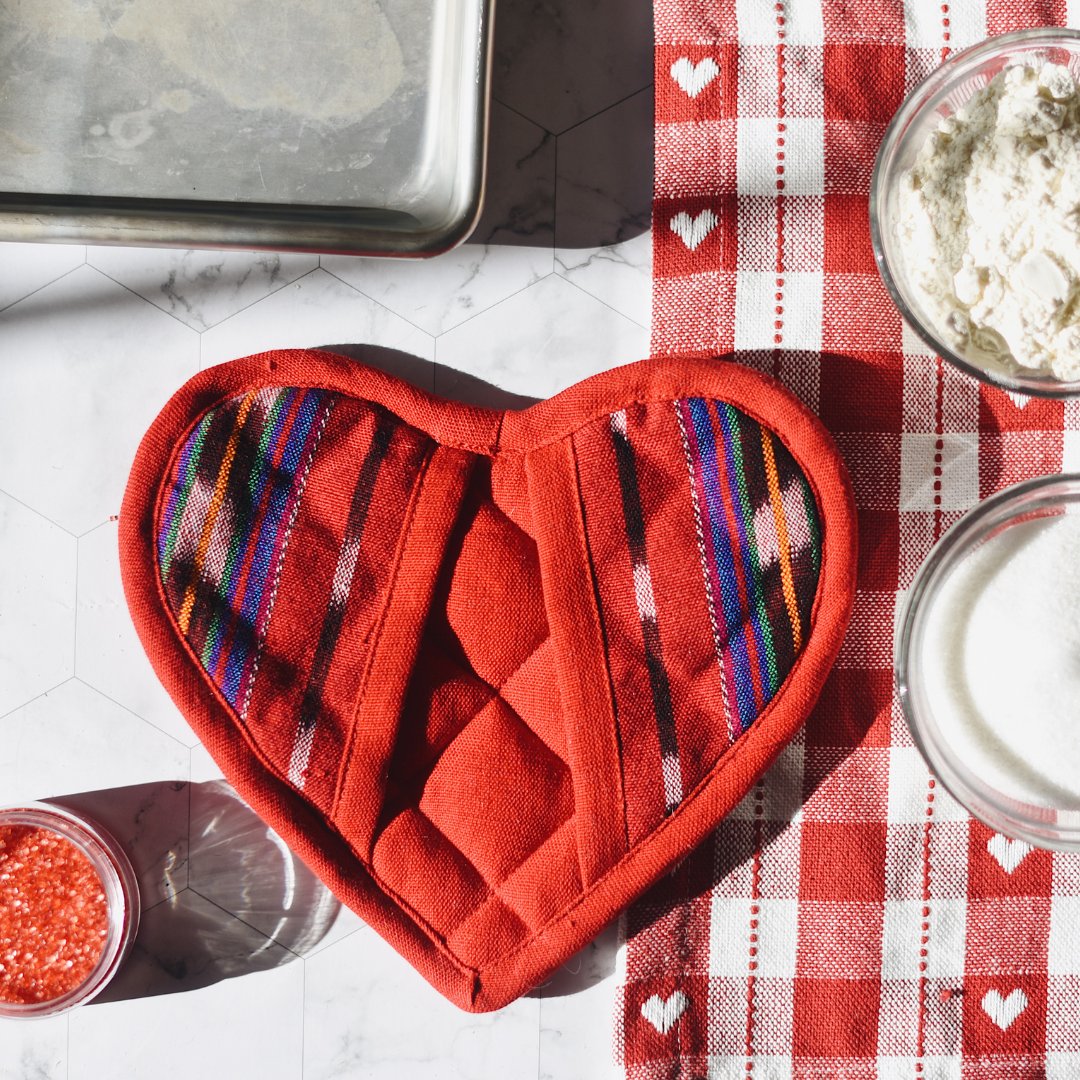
(975, 211)
(988, 661)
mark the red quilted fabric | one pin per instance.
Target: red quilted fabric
(490, 674)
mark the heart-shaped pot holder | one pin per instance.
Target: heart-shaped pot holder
(490, 674)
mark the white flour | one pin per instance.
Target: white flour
(1001, 662)
(990, 221)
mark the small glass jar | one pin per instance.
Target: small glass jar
(937, 97)
(110, 863)
(976, 779)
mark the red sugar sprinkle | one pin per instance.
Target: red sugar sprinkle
(54, 915)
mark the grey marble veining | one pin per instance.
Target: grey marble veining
(200, 288)
(608, 205)
(558, 63)
(237, 974)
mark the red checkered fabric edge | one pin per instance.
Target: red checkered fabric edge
(849, 919)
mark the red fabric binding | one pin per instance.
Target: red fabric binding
(416, 810)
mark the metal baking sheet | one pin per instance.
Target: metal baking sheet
(321, 125)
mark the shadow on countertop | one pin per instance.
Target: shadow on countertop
(434, 378)
(222, 895)
(592, 965)
(570, 148)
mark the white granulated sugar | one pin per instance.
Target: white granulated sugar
(1001, 662)
(990, 221)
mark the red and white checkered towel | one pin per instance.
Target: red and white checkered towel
(850, 919)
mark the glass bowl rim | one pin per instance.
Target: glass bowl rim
(113, 866)
(1038, 826)
(909, 109)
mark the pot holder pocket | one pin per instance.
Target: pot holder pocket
(489, 674)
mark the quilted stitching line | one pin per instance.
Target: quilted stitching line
(377, 633)
(341, 589)
(606, 647)
(710, 594)
(723, 764)
(634, 523)
(555, 918)
(292, 512)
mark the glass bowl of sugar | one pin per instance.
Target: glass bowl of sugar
(975, 211)
(988, 661)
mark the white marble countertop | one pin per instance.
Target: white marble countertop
(554, 286)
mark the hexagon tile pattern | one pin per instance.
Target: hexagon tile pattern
(554, 286)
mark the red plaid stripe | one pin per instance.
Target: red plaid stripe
(849, 919)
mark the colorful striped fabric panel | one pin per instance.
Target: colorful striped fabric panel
(760, 544)
(341, 589)
(645, 601)
(229, 507)
(705, 543)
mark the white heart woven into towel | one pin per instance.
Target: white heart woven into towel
(664, 1014)
(694, 79)
(1003, 1011)
(1010, 853)
(693, 230)
(1019, 400)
